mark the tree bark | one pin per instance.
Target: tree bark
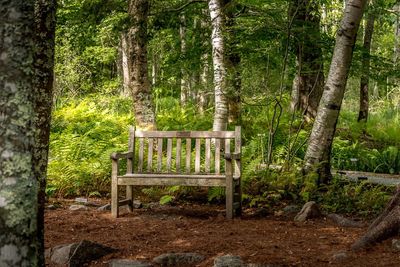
(397, 36)
(365, 69)
(234, 80)
(309, 81)
(45, 26)
(125, 65)
(185, 88)
(386, 225)
(139, 83)
(318, 152)
(18, 185)
(218, 56)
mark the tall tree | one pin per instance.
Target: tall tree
(320, 143)
(18, 186)
(137, 64)
(185, 87)
(218, 56)
(45, 26)
(309, 81)
(365, 67)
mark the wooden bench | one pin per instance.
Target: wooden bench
(148, 163)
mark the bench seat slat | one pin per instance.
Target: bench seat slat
(185, 134)
(172, 180)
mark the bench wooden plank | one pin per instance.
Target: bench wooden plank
(217, 156)
(208, 155)
(186, 134)
(169, 154)
(141, 152)
(197, 153)
(173, 180)
(150, 155)
(188, 154)
(159, 154)
(178, 154)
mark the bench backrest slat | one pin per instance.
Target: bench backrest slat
(165, 149)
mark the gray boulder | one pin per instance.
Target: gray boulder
(128, 263)
(178, 259)
(105, 207)
(78, 207)
(228, 261)
(77, 254)
(310, 210)
(344, 222)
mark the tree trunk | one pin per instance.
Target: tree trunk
(385, 226)
(309, 81)
(365, 68)
(397, 36)
(45, 26)
(185, 88)
(203, 93)
(234, 81)
(218, 55)
(318, 152)
(124, 65)
(139, 83)
(18, 186)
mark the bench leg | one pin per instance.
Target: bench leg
(114, 190)
(229, 198)
(129, 196)
(238, 198)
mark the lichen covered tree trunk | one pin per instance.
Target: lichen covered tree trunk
(365, 68)
(309, 81)
(124, 65)
(139, 83)
(18, 185)
(218, 56)
(45, 22)
(318, 152)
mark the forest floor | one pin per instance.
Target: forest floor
(257, 237)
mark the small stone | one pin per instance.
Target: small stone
(78, 207)
(51, 207)
(178, 259)
(81, 200)
(137, 204)
(291, 209)
(344, 222)
(340, 257)
(228, 261)
(396, 244)
(128, 263)
(310, 210)
(105, 207)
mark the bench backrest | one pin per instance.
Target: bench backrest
(182, 152)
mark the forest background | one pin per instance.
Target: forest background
(92, 108)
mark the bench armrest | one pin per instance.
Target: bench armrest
(233, 156)
(125, 155)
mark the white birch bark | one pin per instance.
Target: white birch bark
(184, 73)
(319, 147)
(218, 51)
(125, 65)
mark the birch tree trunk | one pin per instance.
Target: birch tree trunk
(309, 81)
(125, 65)
(45, 26)
(365, 68)
(18, 185)
(203, 94)
(185, 88)
(318, 152)
(139, 83)
(218, 54)
(397, 36)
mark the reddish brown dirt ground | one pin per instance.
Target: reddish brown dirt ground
(146, 233)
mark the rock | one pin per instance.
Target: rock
(310, 210)
(178, 259)
(291, 209)
(396, 244)
(92, 204)
(78, 207)
(128, 263)
(81, 200)
(137, 204)
(77, 254)
(228, 261)
(51, 207)
(344, 222)
(340, 257)
(105, 207)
